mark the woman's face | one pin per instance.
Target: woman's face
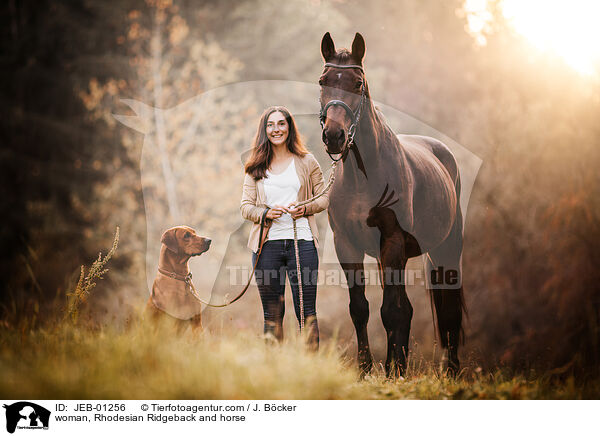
(277, 128)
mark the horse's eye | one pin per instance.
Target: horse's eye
(359, 84)
(187, 235)
(322, 81)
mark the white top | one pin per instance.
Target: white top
(282, 189)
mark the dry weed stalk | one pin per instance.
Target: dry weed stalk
(87, 282)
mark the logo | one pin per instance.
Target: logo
(191, 169)
(26, 415)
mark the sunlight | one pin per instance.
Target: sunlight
(567, 28)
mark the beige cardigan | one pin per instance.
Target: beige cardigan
(311, 184)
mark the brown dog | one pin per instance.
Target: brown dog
(171, 293)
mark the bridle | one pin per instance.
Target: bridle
(353, 114)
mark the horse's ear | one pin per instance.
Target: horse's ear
(358, 48)
(327, 47)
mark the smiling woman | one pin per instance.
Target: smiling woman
(280, 173)
(277, 128)
(566, 28)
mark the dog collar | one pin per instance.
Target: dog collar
(176, 276)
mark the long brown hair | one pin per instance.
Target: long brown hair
(262, 150)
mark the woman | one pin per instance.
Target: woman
(280, 173)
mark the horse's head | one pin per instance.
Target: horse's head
(343, 91)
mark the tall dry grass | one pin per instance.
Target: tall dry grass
(152, 361)
(72, 359)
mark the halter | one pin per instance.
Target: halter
(354, 115)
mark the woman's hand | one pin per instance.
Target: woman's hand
(276, 211)
(295, 212)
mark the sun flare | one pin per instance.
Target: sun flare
(568, 28)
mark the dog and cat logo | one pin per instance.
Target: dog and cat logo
(26, 415)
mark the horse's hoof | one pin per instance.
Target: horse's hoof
(365, 368)
(395, 372)
(453, 368)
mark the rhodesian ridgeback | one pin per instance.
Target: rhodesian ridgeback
(171, 290)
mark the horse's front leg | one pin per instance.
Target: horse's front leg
(396, 310)
(351, 261)
(359, 312)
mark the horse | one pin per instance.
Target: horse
(417, 182)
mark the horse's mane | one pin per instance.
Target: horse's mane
(344, 57)
(381, 130)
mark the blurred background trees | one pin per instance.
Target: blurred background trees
(71, 173)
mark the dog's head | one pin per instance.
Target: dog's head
(183, 240)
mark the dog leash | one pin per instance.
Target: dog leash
(187, 279)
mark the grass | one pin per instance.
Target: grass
(74, 362)
(69, 360)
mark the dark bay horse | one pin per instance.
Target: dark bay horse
(394, 197)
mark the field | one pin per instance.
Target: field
(140, 114)
(73, 356)
(148, 361)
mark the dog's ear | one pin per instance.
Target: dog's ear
(169, 238)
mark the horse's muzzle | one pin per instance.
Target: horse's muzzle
(334, 140)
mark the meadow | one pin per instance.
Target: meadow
(146, 360)
(71, 355)
(81, 154)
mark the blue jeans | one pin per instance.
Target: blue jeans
(278, 259)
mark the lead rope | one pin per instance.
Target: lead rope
(299, 277)
(297, 251)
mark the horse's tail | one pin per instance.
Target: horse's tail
(447, 310)
(448, 303)
(459, 216)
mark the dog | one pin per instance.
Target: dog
(171, 293)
